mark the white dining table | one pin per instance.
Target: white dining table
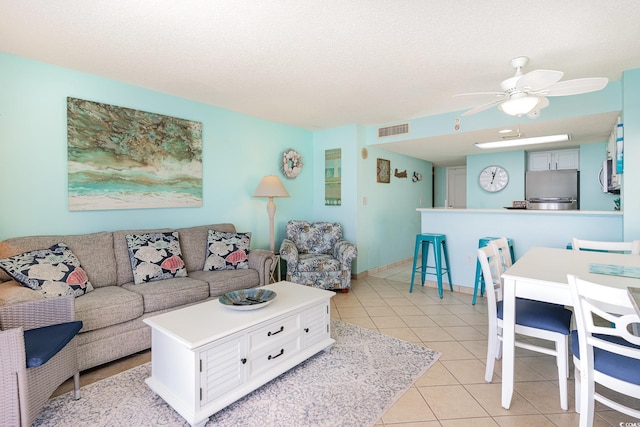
(541, 274)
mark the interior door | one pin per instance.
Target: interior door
(456, 187)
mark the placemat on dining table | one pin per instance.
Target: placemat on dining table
(615, 270)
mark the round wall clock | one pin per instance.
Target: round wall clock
(493, 178)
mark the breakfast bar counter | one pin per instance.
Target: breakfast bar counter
(526, 227)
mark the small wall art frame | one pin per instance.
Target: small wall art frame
(383, 174)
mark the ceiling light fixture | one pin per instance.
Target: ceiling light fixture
(519, 105)
(523, 141)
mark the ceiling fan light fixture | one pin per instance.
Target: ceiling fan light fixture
(523, 141)
(520, 105)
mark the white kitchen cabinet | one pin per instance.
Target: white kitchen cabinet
(554, 160)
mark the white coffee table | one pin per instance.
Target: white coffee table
(207, 356)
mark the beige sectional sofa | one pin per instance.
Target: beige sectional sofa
(112, 313)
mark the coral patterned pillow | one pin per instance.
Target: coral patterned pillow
(54, 272)
(155, 256)
(227, 251)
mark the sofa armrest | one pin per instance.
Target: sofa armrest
(36, 314)
(289, 253)
(263, 261)
(345, 252)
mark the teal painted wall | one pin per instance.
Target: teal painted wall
(344, 138)
(631, 178)
(238, 150)
(387, 218)
(380, 218)
(515, 164)
(439, 186)
(592, 198)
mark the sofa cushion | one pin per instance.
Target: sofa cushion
(53, 271)
(169, 293)
(94, 251)
(155, 256)
(121, 253)
(227, 251)
(106, 306)
(193, 241)
(223, 281)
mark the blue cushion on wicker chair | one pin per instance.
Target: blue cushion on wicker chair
(41, 344)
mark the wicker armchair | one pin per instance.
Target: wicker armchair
(37, 354)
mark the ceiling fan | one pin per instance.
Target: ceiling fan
(527, 93)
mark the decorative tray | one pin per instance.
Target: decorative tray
(247, 299)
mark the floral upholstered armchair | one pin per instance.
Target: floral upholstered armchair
(317, 255)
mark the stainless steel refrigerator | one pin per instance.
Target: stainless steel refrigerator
(553, 189)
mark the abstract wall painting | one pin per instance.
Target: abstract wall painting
(332, 177)
(120, 158)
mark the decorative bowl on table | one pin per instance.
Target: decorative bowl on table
(247, 299)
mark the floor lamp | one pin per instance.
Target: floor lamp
(271, 187)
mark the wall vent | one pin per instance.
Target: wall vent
(393, 130)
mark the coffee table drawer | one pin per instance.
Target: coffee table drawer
(272, 356)
(273, 332)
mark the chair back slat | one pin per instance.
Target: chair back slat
(632, 248)
(502, 244)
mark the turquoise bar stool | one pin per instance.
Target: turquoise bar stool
(439, 243)
(479, 278)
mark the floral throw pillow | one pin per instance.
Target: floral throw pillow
(227, 251)
(155, 256)
(54, 271)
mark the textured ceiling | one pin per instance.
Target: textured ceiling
(321, 64)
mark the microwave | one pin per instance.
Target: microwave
(609, 180)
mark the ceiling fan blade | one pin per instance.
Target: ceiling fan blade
(575, 87)
(538, 79)
(501, 94)
(482, 107)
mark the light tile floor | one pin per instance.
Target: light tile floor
(453, 391)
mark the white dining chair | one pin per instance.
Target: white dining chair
(502, 244)
(632, 247)
(604, 350)
(536, 319)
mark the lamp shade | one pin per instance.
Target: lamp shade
(270, 186)
(518, 106)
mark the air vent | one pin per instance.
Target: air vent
(393, 130)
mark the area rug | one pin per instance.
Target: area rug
(353, 384)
